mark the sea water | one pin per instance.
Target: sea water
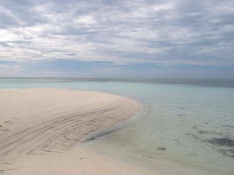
(188, 124)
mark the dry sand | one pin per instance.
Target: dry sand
(40, 127)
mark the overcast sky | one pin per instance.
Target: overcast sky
(117, 38)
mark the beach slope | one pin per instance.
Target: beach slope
(40, 127)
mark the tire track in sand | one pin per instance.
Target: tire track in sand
(63, 132)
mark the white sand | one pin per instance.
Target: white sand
(40, 127)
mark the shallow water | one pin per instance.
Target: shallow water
(189, 125)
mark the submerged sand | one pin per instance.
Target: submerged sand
(40, 127)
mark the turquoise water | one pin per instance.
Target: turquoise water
(189, 125)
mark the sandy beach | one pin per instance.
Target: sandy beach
(40, 131)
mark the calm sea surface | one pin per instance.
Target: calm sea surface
(188, 126)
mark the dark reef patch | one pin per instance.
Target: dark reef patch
(224, 141)
(161, 148)
(202, 132)
(228, 152)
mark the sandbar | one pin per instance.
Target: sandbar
(41, 128)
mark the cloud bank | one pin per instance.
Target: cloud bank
(168, 32)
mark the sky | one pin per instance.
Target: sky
(117, 38)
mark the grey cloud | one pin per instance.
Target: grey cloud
(20, 13)
(156, 31)
(6, 20)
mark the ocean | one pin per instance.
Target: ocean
(187, 125)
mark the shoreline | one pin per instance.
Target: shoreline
(174, 122)
(44, 135)
(136, 118)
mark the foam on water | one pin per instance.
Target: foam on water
(188, 125)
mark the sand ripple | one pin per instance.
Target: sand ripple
(63, 132)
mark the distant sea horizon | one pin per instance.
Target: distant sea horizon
(208, 82)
